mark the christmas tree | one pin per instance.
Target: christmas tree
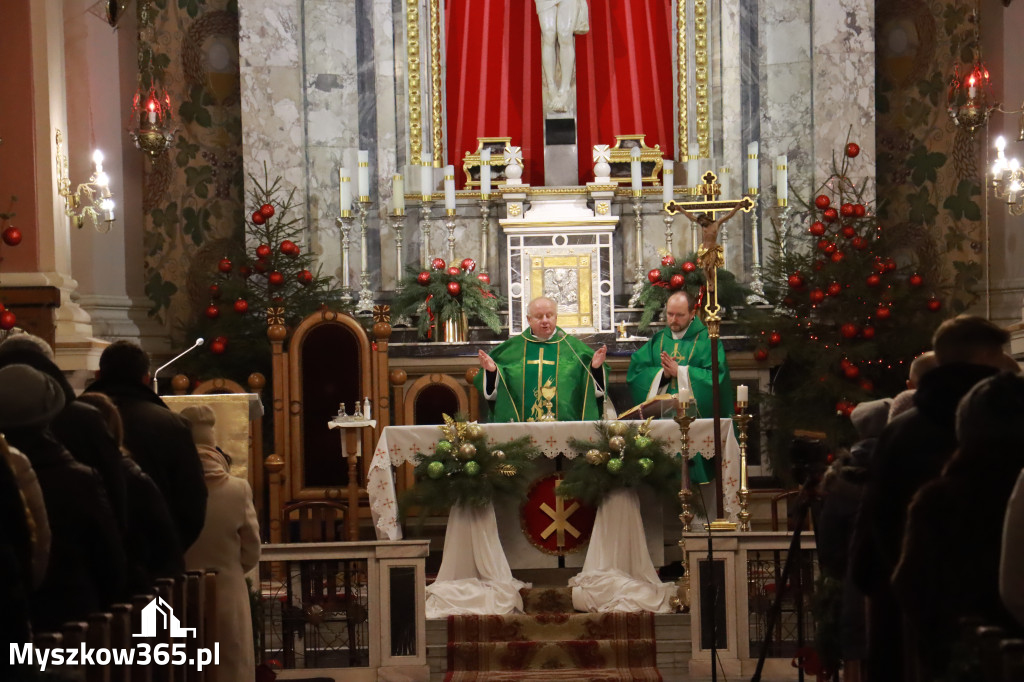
(267, 276)
(11, 236)
(849, 310)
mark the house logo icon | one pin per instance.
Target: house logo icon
(159, 614)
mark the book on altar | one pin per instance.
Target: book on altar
(661, 405)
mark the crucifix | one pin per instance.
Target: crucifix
(707, 202)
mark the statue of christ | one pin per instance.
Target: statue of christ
(560, 21)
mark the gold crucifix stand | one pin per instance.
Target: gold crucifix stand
(707, 201)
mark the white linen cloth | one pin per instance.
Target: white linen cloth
(474, 578)
(618, 574)
(399, 444)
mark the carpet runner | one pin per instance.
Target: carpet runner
(552, 642)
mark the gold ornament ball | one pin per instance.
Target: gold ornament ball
(467, 451)
(473, 431)
(617, 443)
(618, 429)
(594, 456)
(498, 454)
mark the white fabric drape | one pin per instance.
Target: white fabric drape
(474, 578)
(618, 574)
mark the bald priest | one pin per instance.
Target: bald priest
(680, 356)
(543, 374)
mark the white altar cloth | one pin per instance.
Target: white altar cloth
(399, 444)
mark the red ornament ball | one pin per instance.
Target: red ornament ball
(423, 278)
(915, 280)
(261, 266)
(289, 248)
(654, 275)
(848, 330)
(267, 211)
(468, 264)
(454, 271)
(774, 339)
(454, 288)
(7, 320)
(676, 281)
(275, 278)
(245, 271)
(822, 201)
(838, 257)
(438, 264)
(12, 236)
(263, 251)
(218, 346)
(851, 372)
(484, 277)
(873, 280)
(241, 306)
(883, 313)
(224, 265)
(817, 228)
(831, 215)
(305, 277)
(689, 266)
(212, 311)
(934, 305)
(859, 211)
(258, 218)
(668, 259)
(795, 280)
(816, 296)
(879, 266)
(214, 291)
(890, 264)
(834, 289)
(852, 149)
(860, 243)
(830, 248)
(761, 354)
(867, 385)
(823, 244)
(844, 363)
(846, 210)
(848, 231)
(868, 333)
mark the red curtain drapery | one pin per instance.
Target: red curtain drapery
(624, 83)
(493, 86)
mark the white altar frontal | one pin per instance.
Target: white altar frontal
(560, 249)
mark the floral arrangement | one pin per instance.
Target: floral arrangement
(663, 281)
(625, 456)
(464, 469)
(446, 293)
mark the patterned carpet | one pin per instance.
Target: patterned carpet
(552, 642)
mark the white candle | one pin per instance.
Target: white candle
(485, 172)
(449, 188)
(693, 165)
(971, 89)
(634, 169)
(781, 180)
(685, 396)
(668, 179)
(752, 179)
(427, 178)
(345, 190)
(725, 180)
(742, 394)
(397, 193)
(364, 175)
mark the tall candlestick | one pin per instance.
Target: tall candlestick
(693, 165)
(668, 179)
(485, 172)
(781, 180)
(634, 170)
(345, 191)
(752, 174)
(449, 188)
(364, 175)
(427, 177)
(397, 194)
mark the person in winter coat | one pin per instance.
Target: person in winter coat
(230, 544)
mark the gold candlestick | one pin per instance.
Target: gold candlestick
(682, 599)
(742, 420)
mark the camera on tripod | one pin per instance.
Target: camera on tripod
(809, 458)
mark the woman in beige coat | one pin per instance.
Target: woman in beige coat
(229, 544)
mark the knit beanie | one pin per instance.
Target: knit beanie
(28, 397)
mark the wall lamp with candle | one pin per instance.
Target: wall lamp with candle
(91, 200)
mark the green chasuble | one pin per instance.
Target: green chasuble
(543, 380)
(694, 351)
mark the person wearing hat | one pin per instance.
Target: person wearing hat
(229, 543)
(87, 562)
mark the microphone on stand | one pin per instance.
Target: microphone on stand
(170, 362)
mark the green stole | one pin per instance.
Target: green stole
(543, 380)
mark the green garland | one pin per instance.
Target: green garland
(427, 296)
(464, 469)
(625, 456)
(664, 281)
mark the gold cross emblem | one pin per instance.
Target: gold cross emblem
(560, 520)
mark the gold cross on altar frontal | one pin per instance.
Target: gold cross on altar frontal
(560, 520)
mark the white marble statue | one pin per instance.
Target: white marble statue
(560, 20)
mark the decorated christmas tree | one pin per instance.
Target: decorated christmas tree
(268, 275)
(11, 236)
(850, 307)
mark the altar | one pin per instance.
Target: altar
(400, 444)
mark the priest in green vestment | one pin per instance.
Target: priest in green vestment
(680, 355)
(543, 374)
